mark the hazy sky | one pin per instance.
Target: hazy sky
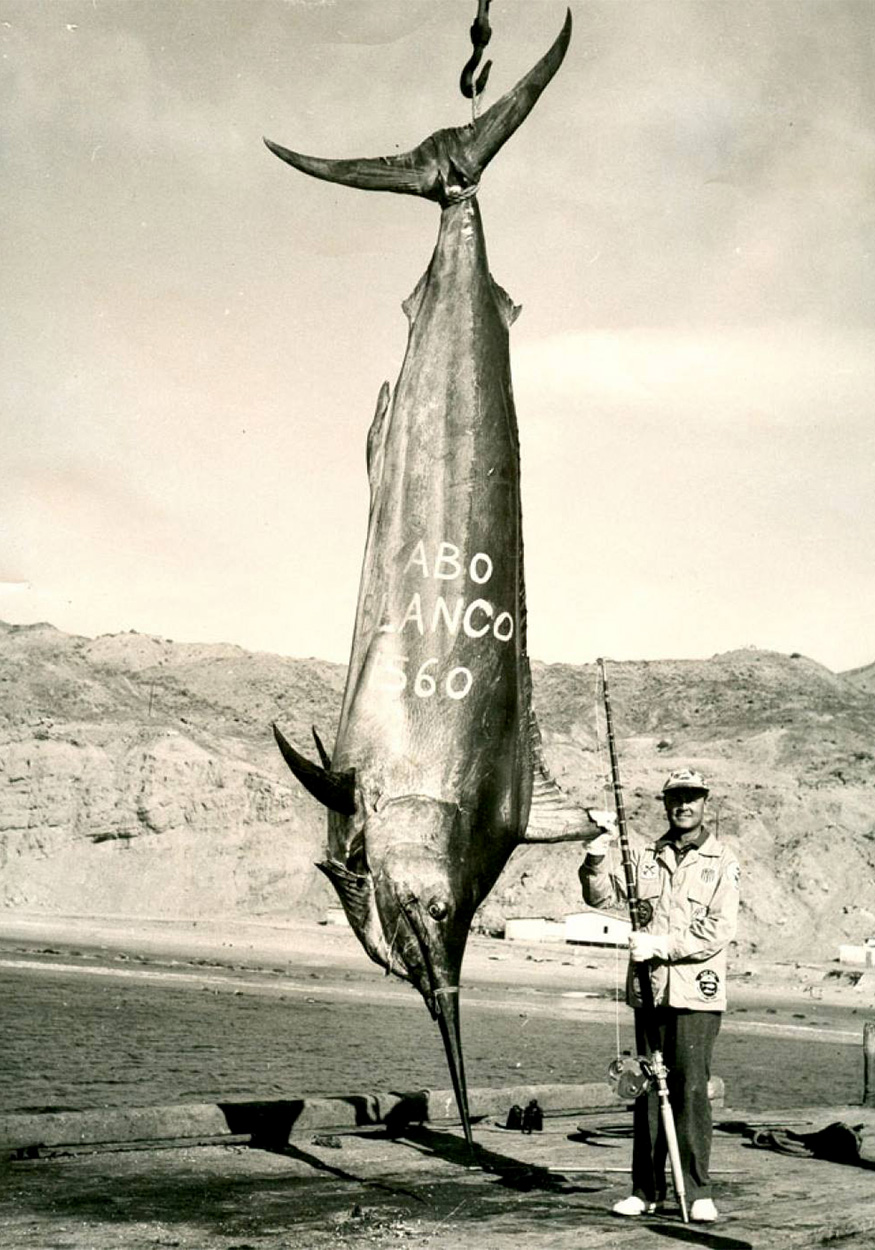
(193, 335)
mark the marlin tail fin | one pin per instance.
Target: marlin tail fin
(448, 161)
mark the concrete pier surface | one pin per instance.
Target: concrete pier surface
(386, 1170)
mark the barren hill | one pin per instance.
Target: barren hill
(138, 776)
(863, 678)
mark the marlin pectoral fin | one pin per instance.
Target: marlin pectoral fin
(335, 791)
(449, 158)
(356, 892)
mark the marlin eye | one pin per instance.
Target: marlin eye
(436, 909)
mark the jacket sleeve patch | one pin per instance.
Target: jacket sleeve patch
(734, 873)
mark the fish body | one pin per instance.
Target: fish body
(436, 764)
(434, 724)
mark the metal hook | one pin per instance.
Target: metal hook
(481, 33)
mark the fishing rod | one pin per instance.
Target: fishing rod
(640, 914)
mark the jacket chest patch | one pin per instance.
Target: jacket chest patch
(708, 983)
(648, 870)
(708, 874)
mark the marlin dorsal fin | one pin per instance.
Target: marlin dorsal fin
(554, 815)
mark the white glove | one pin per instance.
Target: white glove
(606, 823)
(603, 819)
(646, 946)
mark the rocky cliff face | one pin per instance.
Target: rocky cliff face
(139, 777)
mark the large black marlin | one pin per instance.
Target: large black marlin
(437, 771)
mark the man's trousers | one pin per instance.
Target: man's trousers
(687, 1040)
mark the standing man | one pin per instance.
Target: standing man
(688, 883)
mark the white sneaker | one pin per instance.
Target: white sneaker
(703, 1211)
(633, 1205)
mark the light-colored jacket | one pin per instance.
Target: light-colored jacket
(695, 903)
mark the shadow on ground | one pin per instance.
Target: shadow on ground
(511, 1173)
(242, 1192)
(695, 1235)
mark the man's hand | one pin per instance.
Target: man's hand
(606, 823)
(646, 946)
(603, 819)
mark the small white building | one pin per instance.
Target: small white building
(595, 928)
(586, 928)
(533, 929)
(860, 956)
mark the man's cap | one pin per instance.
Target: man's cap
(684, 779)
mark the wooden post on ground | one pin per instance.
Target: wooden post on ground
(869, 1065)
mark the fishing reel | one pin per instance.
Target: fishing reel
(644, 912)
(630, 1075)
